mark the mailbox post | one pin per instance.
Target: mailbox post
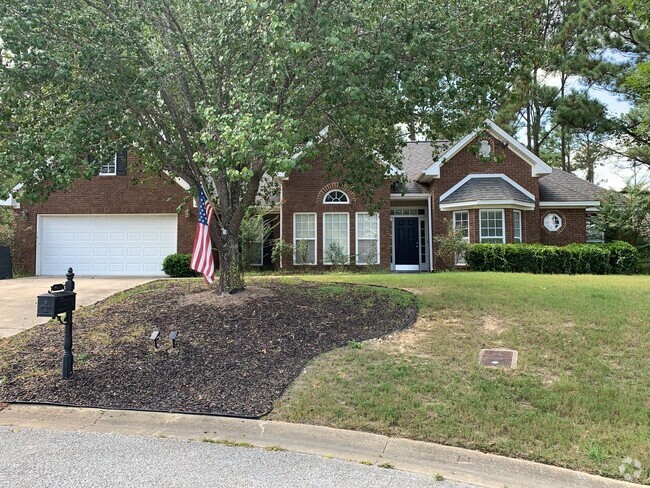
(60, 299)
(68, 358)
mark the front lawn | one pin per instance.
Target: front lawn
(579, 398)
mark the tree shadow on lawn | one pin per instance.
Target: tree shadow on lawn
(235, 354)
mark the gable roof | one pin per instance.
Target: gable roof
(487, 189)
(481, 190)
(562, 187)
(538, 167)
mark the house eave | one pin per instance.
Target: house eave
(582, 204)
(409, 196)
(10, 202)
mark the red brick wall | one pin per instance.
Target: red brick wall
(574, 226)
(107, 195)
(465, 163)
(303, 192)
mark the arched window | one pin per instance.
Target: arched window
(336, 196)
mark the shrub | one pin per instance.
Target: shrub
(7, 227)
(450, 246)
(336, 256)
(282, 251)
(178, 266)
(612, 258)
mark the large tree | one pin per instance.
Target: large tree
(222, 93)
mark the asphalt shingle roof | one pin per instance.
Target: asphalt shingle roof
(418, 156)
(482, 189)
(560, 186)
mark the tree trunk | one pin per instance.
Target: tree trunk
(231, 277)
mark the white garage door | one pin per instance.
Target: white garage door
(104, 245)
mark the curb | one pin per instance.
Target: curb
(453, 463)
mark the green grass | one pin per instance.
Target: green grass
(579, 398)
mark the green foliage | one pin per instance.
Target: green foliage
(625, 216)
(611, 258)
(254, 231)
(450, 245)
(228, 93)
(178, 266)
(301, 252)
(282, 252)
(336, 256)
(7, 227)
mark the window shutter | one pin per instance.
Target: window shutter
(121, 162)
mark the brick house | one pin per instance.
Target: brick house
(488, 185)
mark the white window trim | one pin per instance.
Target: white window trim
(324, 251)
(521, 227)
(559, 217)
(105, 173)
(503, 225)
(457, 261)
(325, 202)
(357, 238)
(315, 239)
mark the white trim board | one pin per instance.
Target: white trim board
(538, 167)
(487, 175)
(583, 204)
(410, 196)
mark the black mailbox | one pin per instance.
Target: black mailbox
(56, 302)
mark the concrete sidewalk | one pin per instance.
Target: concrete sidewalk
(18, 297)
(419, 457)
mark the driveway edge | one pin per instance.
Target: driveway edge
(452, 463)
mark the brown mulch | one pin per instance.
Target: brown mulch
(235, 354)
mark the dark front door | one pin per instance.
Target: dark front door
(407, 247)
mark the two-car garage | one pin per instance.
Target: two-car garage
(105, 245)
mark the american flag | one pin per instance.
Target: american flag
(202, 260)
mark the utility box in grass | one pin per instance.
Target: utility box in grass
(5, 263)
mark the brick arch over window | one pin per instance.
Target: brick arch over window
(334, 186)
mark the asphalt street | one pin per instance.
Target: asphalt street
(45, 458)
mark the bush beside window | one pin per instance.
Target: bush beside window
(613, 258)
(178, 266)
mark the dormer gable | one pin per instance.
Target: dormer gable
(537, 166)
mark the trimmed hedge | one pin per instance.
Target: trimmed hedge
(612, 258)
(178, 266)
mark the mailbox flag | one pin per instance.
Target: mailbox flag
(202, 259)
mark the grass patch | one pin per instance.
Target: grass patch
(579, 398)
(226, 442)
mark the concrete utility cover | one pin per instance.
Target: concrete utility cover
(498, 358)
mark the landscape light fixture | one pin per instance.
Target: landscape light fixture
(173, 335)
(154, 337)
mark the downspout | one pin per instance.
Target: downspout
(430, 211)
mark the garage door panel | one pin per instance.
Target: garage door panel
(106, 245)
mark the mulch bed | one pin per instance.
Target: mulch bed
(235, 354)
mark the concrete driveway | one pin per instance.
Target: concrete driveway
(18, 297)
